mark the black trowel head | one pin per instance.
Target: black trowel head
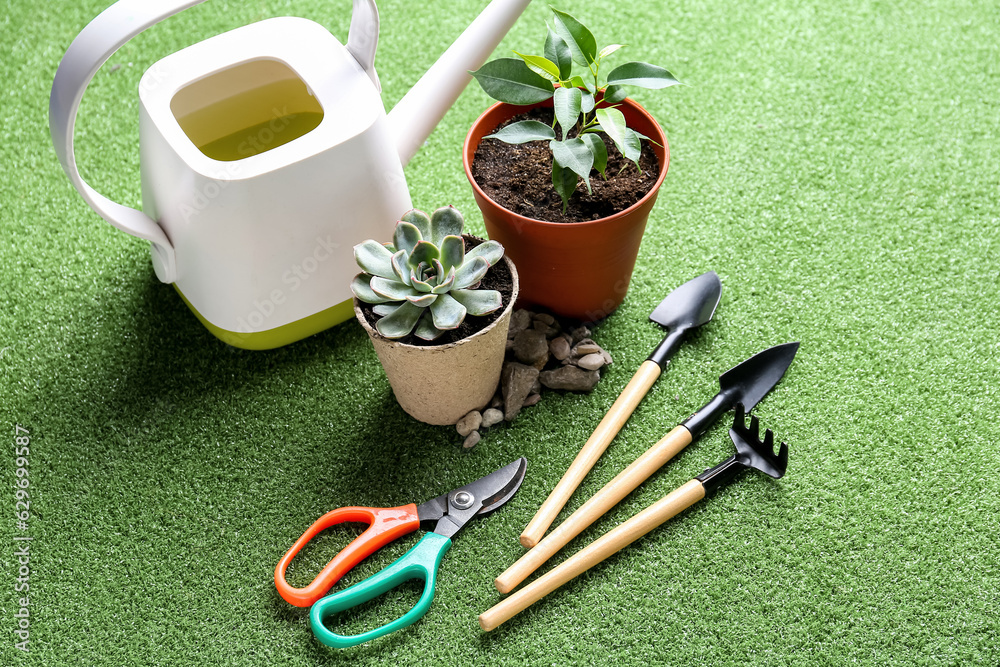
(690, 305)
(750, 381)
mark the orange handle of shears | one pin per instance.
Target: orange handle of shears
(387, 524)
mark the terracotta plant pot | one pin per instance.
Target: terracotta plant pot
(581, 269)
(440, 384)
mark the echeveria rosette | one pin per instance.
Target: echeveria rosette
(424, 282)
(529, 79)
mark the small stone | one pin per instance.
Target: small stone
(516, 380)
(607, 357)
(591, 362)
(537, 387)
(491, 417)
(519, 321)
(580, 333)
(571, 378)
(532, 400)
(549, 332)
(531, 347)
(469, 423)
(559, 348)
(471, 440)
(545, 318)
(585, 347)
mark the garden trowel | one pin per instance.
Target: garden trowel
(745, 384)
(689, 306)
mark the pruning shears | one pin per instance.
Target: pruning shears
(443, 516)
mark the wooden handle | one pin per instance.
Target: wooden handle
(644, 466)
(612, 542)
(599, 440)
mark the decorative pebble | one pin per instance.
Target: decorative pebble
(491, 417)
(469, 423)
(545, 318)
(585, 347)
(531, 347)
(559, 348)
(471, 440)
(532, 400)
(519, 321)
(580, 333)
(591, 362)
(570, 378)
(516, 380)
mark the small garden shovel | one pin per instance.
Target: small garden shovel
(745, 384)
(687, 307)
(751, 454)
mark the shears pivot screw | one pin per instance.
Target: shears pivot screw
(463, 500)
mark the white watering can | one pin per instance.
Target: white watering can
(266, 155)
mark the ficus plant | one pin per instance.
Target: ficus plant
(424, 282)
(529, 79)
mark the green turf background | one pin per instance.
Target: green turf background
(838, 164)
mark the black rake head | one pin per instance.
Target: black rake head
(753, 453)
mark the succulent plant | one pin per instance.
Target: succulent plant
(424, 282)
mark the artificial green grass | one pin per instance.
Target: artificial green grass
(838, 164)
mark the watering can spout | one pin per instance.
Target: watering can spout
(416, 115)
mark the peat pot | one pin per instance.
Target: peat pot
(440, 384)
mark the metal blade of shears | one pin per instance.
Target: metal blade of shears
(451, 511)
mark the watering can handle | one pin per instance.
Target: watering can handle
(97, 42)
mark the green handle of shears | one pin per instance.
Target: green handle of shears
(420, 562)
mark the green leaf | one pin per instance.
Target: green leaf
(384, 309)
(420, 285)
(587, 103)
(566, 103)
(615, 94)
(523, 132)
(491, 251)
(510, 80)
(400, 322)
(558, 52)
(444, 286)
(478, 302)
(423, 252)
(400, 266)
(564, 182)
(541, 66)
(642, 75)
(374, 258)
(424, 300)
(392, 289)
(452, 253)
(426, 329)
(613, 123)
(446, 221)
(600, 151)
(580, 40)
(405, 236)
(608, 50)
(447, 313)
(362, 289)
(578, 82)
(575, 155)
(471, 273)
(420, 220)
(633, 147)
